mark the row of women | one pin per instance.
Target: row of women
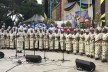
(90, 42)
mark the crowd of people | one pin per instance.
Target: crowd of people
(90, 42)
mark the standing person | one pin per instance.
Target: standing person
(2, 37)
(75, 41)
(51, 40)
(92, 43)
(32, 39)
(104, 46)
(46, 41)
(7, 39)
(5, 36)
(11, 37)
(36, 38)
(98, 38)
(62, 40)
(41, 40)
(87, 43)
(20, 39)
(26, 39)
(56, 42)
(81, 42)
(68, 42)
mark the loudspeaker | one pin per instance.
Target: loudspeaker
(33, 58)
(85, 65)
(1, 55)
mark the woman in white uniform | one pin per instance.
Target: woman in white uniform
(98, 42)
(68, 42)
(7, 40)
(81, 42)
(26, 40)
(46, 41)
(56, 42)
(41, 40)
(51, 40)
(11, 39)
(92, 43)
(87, 43)
(104, 45)
(20, 40)
(32, 39)
(36, 39)
(2, 38)
(62, 40)
(75, 41)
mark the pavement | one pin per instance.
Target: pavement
(52, 64)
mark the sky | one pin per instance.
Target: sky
(39, 1)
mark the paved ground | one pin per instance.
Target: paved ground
(48, 66)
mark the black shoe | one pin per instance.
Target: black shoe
(88, 55)
(96, 58)
(81, 54)
(91, 56)
(103, 60)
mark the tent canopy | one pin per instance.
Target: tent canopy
(35, 18)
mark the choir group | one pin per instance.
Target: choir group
(90, 42)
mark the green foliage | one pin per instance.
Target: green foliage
(25, 7)
(68, 24)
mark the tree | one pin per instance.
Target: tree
(27, 8)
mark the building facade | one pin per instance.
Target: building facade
(58, 11)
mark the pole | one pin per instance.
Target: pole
(80, 7)
(88, 6)
(60, 9)
(50, 9)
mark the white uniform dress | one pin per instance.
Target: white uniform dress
(40, 40)
(26, 41)
(31, 40)
(56, 42)
(11, 43)
(5, 34)
(46, 41)
(20, 40)
(87, 44)
(98, 45)
(51, 41)
(36, 40)
(2, 39)
(7, 40)
(92, 44)
(68, 42)
(81, 44)
(62, 41)
(105, 46)
(75, 43)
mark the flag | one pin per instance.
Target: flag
(102, 9)
(45, 16)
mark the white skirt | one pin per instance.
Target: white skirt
(46, 44)
(98, 50)
(104, 51)
(68, 46)
(36, 43)
(26, 43)
(56, 44)
(75, 46)
(81, 47)
(11, 44)
(40, 43)
(19, 45)
(31, 43)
